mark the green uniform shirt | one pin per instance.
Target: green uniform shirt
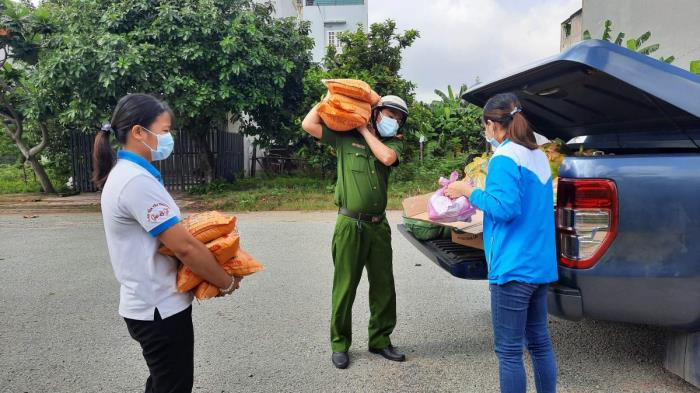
(362, 180)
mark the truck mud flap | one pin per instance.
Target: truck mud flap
(565, 302)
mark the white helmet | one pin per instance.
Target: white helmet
(393, 102)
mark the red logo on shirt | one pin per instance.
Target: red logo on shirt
(158, 212)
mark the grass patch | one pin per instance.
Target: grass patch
(290, 193)
(261, 194)
(12, 180)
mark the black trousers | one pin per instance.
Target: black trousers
(168, 347)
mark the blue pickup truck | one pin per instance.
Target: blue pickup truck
(627, 220)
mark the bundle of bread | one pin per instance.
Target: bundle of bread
(218, 232)
(348, 104)
(476, 170)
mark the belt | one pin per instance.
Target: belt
(372, 218)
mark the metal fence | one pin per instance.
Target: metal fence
(180, 172)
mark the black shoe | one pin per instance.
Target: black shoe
(390, 353)
(340, 360)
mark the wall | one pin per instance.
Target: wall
(286, 8)
(333, 18)
(674, 25)
(575, 30)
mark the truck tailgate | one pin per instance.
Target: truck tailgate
(460, 261)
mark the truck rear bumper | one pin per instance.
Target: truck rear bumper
(565, 302)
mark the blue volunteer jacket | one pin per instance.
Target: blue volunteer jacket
(518, 216)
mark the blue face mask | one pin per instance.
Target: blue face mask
(387, 127)
(165, 146)
(493, 142)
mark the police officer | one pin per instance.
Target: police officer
(362, 235)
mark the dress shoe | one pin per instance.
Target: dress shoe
(390, 353)
(340, 360)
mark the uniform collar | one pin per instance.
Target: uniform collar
(140, 161)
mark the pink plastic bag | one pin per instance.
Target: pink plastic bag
(443, 209)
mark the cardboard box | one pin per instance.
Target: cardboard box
(417, 208)
(468, 239)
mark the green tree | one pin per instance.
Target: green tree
(208, 58)
(23, 29)
(456, 123)
(374, 57)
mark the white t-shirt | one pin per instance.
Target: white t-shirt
(136, 208)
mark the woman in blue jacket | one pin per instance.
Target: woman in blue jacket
(519, 243)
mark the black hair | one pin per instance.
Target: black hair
(505, 109)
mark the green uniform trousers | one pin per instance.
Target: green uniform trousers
(356, 245)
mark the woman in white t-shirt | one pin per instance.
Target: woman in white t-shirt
(139, 214)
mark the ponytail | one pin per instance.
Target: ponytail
(102, 156)
(506, 110)
(131, 110)
(520, 132)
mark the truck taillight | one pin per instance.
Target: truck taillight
(586, 219)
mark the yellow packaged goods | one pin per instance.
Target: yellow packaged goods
(206, 227)
(556, 153)
(352, 88)
(223, 248)
(350, 105)
(242, 265)
(186, 279)
(477, 169)
(205, 291)
(209, 225)
(339, 120)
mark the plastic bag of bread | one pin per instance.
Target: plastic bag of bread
(205, 291)
(339, 120)
(350, 105)
(186, 279)
(353, 88)
(476, 170)
(223, 248)
(243, 265)
(206, 227)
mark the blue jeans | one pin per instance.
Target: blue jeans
(519, 313)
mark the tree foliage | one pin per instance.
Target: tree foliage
(23, 30)
(207, 58)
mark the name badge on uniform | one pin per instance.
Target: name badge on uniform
(359, 146)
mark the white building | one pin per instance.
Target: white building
(330, 17)
(673, 25)
(287, 8)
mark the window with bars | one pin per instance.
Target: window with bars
(333, 40)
